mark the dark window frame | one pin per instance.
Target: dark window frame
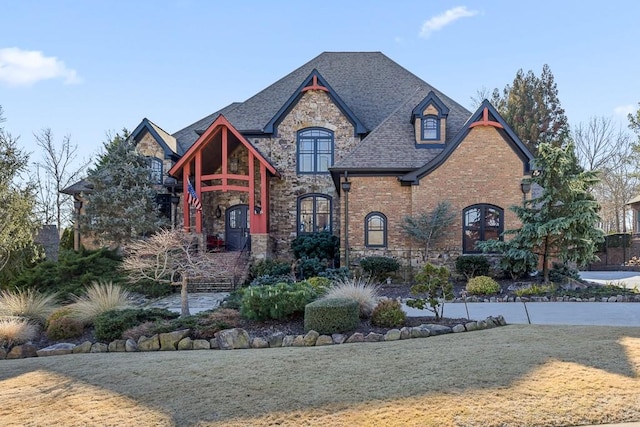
(367, 229)
(306, 134)
(154, 171)
(428, 119)
(482, 231)
(314, 214)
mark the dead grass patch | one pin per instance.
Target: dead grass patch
(512, 376)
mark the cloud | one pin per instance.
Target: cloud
(624, 110)
(26, 67)
(438, 22)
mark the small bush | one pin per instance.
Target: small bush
(270, 267)
(110, 325)
(562, 273)
(16, 331)
(335, 274)
(472, 265)
(234, 300)
(432, 289)
(388, 314)
(322, 245)
(482, 285)
(275, 302)
(27, 303)
(100, 297)
(331, 315)
(150, 288)
(319, 284)
(146, 329)
(268, 280)
(378, 266)
(535, 289)
(359, 290)
(310, 267)
(62, 328)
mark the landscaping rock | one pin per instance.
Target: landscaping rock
(117, 346)
(612, 299)
(169, 340)
(482, 324)
(405, 333)
(373, 337)
(85, 347)
(232, 339)
(185, 343)
(338, 338)
(420, 332)
(56, 349)
(99, 347)
(213, 344)
(324, 340)
(310, 338)
(22, 351)
(471, 326)
(392, 335)
(201, 345)
(298, 341)
(287, 341)
(458, 328)
(501, 320)
(259, 342)
(275, 340)
(149, 344)
(356, 337)
(436, 329)
(131, 346)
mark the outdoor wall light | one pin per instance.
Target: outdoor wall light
(218, 212)
(233, 165)
(525, 186)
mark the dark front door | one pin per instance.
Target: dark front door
(237, 227)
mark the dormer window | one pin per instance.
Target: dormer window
(430, 128)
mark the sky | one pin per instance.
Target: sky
(88, 68)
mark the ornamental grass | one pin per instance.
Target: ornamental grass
(357, 289)
(28, 303)
(99, 298)
(16, 330)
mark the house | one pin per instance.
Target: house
(349, 143)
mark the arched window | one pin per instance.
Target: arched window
(430, 128)
(480, 223)
(315, 150)
(375, 230)
(155, 170)
(314, 213)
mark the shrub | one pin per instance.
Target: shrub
(270, 267)
(268, 280)
(149, 288)
(388, 314)
(331, 315)
(110, 325)
(356, 289)
(482, 285)
(472, 266)
(319, 284)
(27, 303)
(377, 266)
(63, 327)
(275, 302)
(146, 329)
(562, 273)
(322, 245)
(234, 300)
(535, 289)
(16, 330)
(99, 298)
(432, 289)
(335, 274)
(310, 267)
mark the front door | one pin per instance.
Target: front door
(237, 227)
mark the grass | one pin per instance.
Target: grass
(16, 330)
(99, 298)
(27, 303)
(356, 289)
(511, 376)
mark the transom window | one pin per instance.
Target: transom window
(314, 213)
(315, 150)
(155, 170)
(375, 230)
(481, 222)
(430, 128)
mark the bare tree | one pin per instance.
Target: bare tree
(598, 143)
(171, 256)
(54, 172)
(481, 94)
(428, 227)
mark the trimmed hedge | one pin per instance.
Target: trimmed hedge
(331, 315)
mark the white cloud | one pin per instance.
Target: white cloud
(26, 67)
(624, 110)
(438, 22)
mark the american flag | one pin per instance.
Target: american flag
(192, 197)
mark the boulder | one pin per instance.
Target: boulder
(22, 351)
(117, 346)
(149, 344)
(338, 338)
(501, 320)
(458, 328)
(324, 340)
(275, 340)
(185, 343)
(405, 333)
(201, 345)
(99, 347)
(356, 337)
(213, 344)
(56, 349)
(436, 329)
(298, 341)
(392, 335)
(373, 337)
(232, 339)
(310, 338)
(169, 340)
(131, 346)
(420, 332)
(85, 347)
(471, 326)
(259, 342)
(482, 324)
(287, 341)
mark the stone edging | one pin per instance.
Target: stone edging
(237, 338)
(511, 298)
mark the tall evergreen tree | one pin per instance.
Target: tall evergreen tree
(530, 105)
(121, 205)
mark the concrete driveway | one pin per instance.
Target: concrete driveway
(629, 279)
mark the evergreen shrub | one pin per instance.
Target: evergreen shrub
(472, 265)
(110, 325)
(482, 285)
(275, 301)
(331, 315)
(388, 314)
(377, 266)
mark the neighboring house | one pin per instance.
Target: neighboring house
(349, 143)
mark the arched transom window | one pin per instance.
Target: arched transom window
(315, 150)
(375, 230)
(480, 223)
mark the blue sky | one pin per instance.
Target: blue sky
(83, 68)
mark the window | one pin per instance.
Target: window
(155, 167)
(481, 222)
(164, 205)
(315, 150)
(314, 213)
(375, 230)
(430, 128)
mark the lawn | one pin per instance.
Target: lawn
(529, 375)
